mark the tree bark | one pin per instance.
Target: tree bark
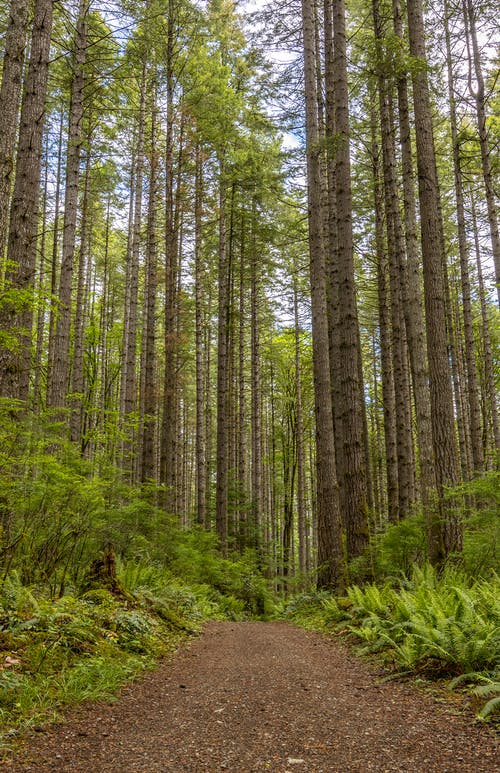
(59, 373)
(10, 96)
(148, 380)
(489, 368)
(201, 464)
(470, 356)
(388, 397)
(478, 94)
(301, 510)
(256, 401)
(77, 374)
(396, 255)
(412, 294)
(221, 502)
(17, 315)
(354, 462)
(331, 570)
(444, 532)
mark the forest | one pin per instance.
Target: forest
(249, 332)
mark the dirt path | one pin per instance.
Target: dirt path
(263, 697)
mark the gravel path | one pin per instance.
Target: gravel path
(263, 697)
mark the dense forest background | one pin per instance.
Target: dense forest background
(249, 333)
(250, 268)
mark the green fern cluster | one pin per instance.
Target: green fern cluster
(437, 624)
(443, 622)
(58, 651)
(483, 685)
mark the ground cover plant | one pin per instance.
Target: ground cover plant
(60, 651)
(425, 624)
(97, 581)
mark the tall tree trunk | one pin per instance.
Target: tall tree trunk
(168, 431)
(16, 317)
(354, 463)
(10, 96)
(149, 385)
(201, 465)
(489, 368)
(221, 501)
(128, 386)
(243, 498)
(396, 253)
(301, 513)
(331, 252)
(54, 270)
(257, 477)
(388, 397)
(77, 376)
(444, 532)
(331, 570)
(474, 61)
(59, 373)
(41, 290)
(412, 295)
(470, 357)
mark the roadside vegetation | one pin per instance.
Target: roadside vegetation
(97, 582)
(435, 626)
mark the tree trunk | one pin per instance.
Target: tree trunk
(412, 296)
(243, 498)
(331, 570)
(478, 94)
(301, 510)
(388, 397)
(128, 387)
(201, 465)
(77, 379)
(59, 373)
(169, 419)
(41, 291)
(221, 502)
(470, 357)
(257, 478)
(54, 269)
(396, 254)
(149, 385)
(10, 96)
(354, 463)
(444, 532)
(489, 368)
(16, 317)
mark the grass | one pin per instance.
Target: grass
(58, 652)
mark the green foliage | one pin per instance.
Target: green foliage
(395, 551)
(59, 641)
(432, 624)
(308, 609)
(57, 516)
(481, 553)
(59, 651)
(484, 685)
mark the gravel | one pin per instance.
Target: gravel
(247, 697)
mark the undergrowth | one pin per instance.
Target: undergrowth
(56, 652)
(68, 630)
(434, 626)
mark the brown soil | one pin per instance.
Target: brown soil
(263, 697)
